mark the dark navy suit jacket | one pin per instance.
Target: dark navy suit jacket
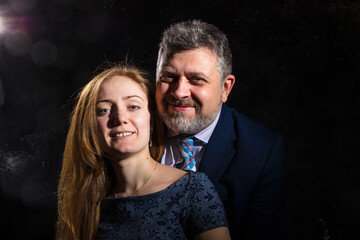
(244, 160)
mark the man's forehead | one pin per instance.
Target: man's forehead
(168, 55)
(190, 57)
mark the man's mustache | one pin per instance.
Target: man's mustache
(189, 102)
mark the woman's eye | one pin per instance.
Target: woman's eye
(134, 107)
(103, 111)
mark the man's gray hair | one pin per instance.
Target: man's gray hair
(194, 34)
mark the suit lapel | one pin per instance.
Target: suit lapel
(219, 150)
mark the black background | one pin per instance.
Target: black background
(297, 71)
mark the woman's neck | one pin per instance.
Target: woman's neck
(132, 173)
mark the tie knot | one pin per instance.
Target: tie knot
(186, 146)
(187, 161)
(184, 136)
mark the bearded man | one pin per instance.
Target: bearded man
(243, 159)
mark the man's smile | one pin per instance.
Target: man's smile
(181, 108)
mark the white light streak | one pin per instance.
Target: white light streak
(2, 25)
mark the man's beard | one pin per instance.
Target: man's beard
(178, 122)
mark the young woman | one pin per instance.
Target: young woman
(111, 185)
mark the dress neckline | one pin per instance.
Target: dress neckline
(168, 188)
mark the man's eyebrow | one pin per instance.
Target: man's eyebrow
(170, 70)
(194, 73)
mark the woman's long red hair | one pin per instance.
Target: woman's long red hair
(84, 179)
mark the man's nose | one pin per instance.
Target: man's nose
(182, 88)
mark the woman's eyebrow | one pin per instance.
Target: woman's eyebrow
(133, 96)
(124, 98)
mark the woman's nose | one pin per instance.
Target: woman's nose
(119, 117)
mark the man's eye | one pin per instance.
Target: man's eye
(103, 111)
(198, 80)
(167, 78)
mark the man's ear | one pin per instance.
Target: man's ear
(227, 86)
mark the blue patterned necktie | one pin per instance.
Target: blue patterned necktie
(187, 161)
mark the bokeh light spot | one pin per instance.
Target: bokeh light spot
(18, 43)
(44, 53)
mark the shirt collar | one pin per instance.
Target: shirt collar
(204, 135)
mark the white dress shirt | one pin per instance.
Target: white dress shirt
(172, 151)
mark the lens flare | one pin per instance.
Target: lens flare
(2, 25)
(5, 23)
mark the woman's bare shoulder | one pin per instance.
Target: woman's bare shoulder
(168, 175)
(171, 172)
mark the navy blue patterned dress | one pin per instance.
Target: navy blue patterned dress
(188, 207)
